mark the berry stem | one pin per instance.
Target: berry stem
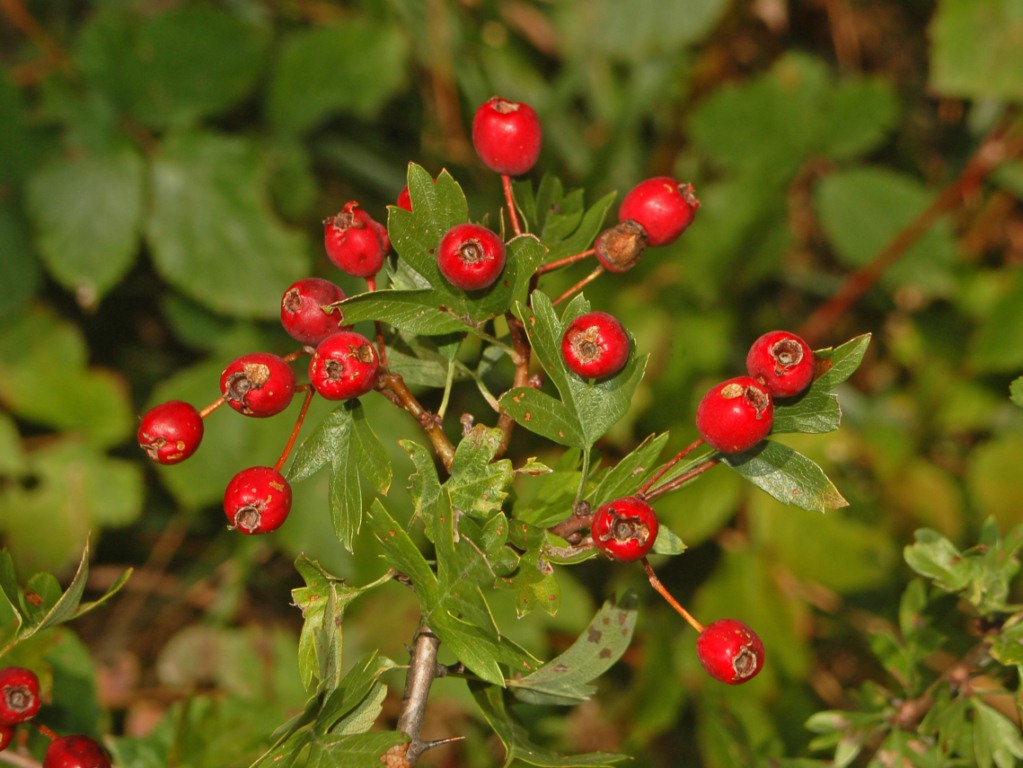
(521, 357)
(212, 407)
(45, 731)
(676, 483)
(371, 285)
(663, 592)
(564, 262)
(641, 491)
(579, 286)
(394, 387)
(509, 199)
(309, 392)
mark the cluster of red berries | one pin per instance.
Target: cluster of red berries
(20, 702)
(735, 415)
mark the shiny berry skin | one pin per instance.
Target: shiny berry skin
(405, 200)
(170, 432)
(6, 736)
(19, 695)
(507, 136)
(258, 384)
(662, 206)
(624, 529)
(302, 310)
(782, 362)
(355, 242)
(75, 751)
(257, 500)
(595, 345)
(344, 365)
(730, 651)
(470, 257)
(735, 415)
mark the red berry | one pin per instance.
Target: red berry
(6, 734)
(75, 752)
(258, 384)
(170, 432)
(303, 312)
(624, 529)
(595, 345)
(735, 415)
(730, 651)
(355, 242)
(405, 200)
(782, 362)
(257, 500)
(507, 136)
(19, 695)
(662, 206)
(344, 365)
(471, 257)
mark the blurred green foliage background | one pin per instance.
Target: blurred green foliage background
(164, 169)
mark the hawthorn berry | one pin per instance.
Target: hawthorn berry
(355, 242)
(730, 651)
(662, 206)
(258, 384)
(507, 136)
(19, 695)
(304, 310)
(75, 751)
(624, 529)
(595, 345)
(345, 365)
(618, 248)
(257, 500)
(6, 735)
(470, 257)
(735, 415)
(782, 362)
(170, 432)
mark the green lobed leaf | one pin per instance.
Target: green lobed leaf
(997, 739)
(374, 463)
(478, 484)
(566, 678)
(211, 225)
(363, 750)
(401, 553)
(667, 542)
(421, 311)
(352, 66)
(360, 683)
(564, 224)
(629, 473)
(788, 476)
(975, 51)
(546, 416)
(424, 483)
(87, 214)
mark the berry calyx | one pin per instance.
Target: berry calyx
(345, 365)
(730, 651)
(258, 384)
(257, 500)
(470, 257)
(507, 136)
(662, 206)
(618, 248)
(782, 362)
(19, 695)
(624, 529)
(303, 310)
(595, 345)
(735, 415)
(355, 242)
(170, 432)
(75, 751)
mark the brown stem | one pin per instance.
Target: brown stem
(522, 352)
(678, 482)
(994, 151)
(641, 491)
(212, 407)
(564, 262)
(421, 673)
(579, 286)
(393, 385)
(21, 18)
(309, 392)
(663, 592)
(509, 200)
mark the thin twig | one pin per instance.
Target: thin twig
(421, 673)
(506, 423)
(509, 199)
(296, 429)
(579, 286)
(564, 262)
(676, 483)
(641, 491)
(663, 592)
(394, 385)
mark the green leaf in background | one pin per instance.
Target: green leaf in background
(515, 737)
(862, 209)
(20, 272)
(788, 476)
(997, 741)
(355, 65)
(566, 679)
(638, 30)
(1016, 391)
(997, 345)
(210, 226)
(44, 379)
(87, 214)
(975, 50)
